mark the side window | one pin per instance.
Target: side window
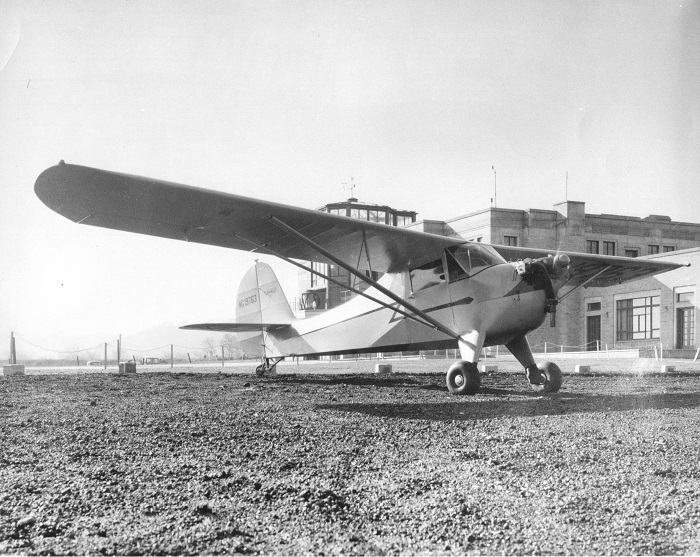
(454, 269)
(474, 257)
(425, 276)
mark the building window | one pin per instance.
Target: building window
(669, 248)
(653, 248)
(374, 275)
(685, 297)
(685, 327)
(510, 240)
(593, 306)
(315, 279)
(608, 248)
(592, 246)
(638, 318)
(403, 220)
(336, 271)
(631, 252)
(685, 318)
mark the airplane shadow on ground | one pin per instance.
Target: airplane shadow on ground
(531, 405)
(361, 381)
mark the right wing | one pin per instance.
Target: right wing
(158, 208)
(600, 270)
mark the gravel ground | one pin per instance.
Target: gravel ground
(310, 463)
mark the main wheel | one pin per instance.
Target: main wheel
(463, 378)
(552, 378)
(260, 370)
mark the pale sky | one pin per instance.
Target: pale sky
(286, 101)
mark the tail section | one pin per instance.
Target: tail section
(261, 311)
(260, 298)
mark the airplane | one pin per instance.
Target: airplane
(436, 292)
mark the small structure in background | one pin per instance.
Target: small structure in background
(13, 368)
(127, 367)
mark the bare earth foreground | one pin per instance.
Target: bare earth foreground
(202, 462)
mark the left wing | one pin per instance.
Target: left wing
(158, 208)
(585, 266)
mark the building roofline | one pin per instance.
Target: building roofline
(362, 205)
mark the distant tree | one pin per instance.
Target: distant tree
(211, 349)
(232, 347)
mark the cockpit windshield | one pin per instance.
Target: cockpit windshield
(471, 258)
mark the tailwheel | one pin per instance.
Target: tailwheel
(463, 378)
(545, 378)
(269, 366)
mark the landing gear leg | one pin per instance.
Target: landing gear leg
(544, 377)
(268, 366)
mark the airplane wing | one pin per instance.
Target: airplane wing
(158, 208)
(235, 327)
(585, 266)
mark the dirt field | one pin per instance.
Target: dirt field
(320, 461)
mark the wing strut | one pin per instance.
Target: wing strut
(334, 281)
(350, 269)
(575, 288)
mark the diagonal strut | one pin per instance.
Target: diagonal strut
(350, 269)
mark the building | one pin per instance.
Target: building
(654, 312)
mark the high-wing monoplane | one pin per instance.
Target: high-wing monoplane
(434, 292)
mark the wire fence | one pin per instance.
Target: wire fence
(112, 352)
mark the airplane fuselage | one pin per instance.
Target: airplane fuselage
(495, 301)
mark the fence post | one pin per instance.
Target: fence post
(222, 356)
(545, 346)
(171, 356)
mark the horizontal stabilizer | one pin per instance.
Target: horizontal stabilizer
(236, 327)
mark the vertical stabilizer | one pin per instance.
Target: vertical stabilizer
(260, 298)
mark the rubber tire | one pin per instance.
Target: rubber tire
(260, 370)
(470, 378)
(552, 375)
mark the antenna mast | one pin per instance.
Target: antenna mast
(351, 187)
(495, 190)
